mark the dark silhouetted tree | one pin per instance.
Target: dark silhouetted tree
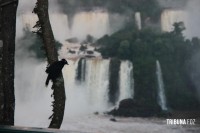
(45, 32)
(8, 10)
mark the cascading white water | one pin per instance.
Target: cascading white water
(90, 94)
(97, 80)
(161, 89)
(28, 20)
(126, 80)
(138, 20)
(94, 23)
(169, 17)
(69, 72)
(193, 18)
(59, 23)
(94, 82)
(77, 97)
(33, 99)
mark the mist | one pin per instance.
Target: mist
(192, 30)
(193, 18)
(32, 97)
(30, 92)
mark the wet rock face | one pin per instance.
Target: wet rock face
(114, 69)
(132, 108)
(127, 103)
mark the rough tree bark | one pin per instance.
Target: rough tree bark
(8, 9)
(45, 32)
(1, 76)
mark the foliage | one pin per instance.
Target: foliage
(83, 48)
(178, 28)
(143, 48)
(89, 39)
(33, 44)
(123, 49)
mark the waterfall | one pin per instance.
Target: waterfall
(190, 17)
(126, 80)
(59, 24)
(91, 93)
(193, 20)
(33, 99)
(161, 89)
(77, 102)
(97, 79)
(28, 20)
(94, 23)
(69, 73)
(88, 96)
(83, 24)
(138, 20)
(94, 75)
(25, 21)
(90, 23)
(169, 17)
(94, 81)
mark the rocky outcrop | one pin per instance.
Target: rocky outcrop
(132, 108)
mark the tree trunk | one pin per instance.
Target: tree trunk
(45, 31)
(1, 74)
(8, 9)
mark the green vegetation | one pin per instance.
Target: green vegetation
(33, 44)
(143, 48)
